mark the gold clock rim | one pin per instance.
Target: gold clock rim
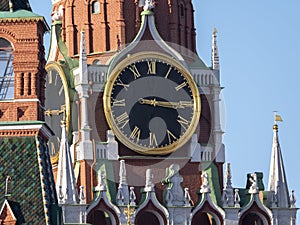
(107, 103)
(57, 67)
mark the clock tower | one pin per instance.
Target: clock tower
(142, 107)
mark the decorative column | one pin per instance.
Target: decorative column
(85, 149)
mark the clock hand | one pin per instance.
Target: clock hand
(173, 105)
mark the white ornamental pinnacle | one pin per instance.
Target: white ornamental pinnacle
(224, 199)
(101, 183)
(82, 196)
(254, 188)
(149, 177)
(228, 176)
(122, 173)
(148, 5)
(120, 197)
(205, 183)
(293, 199)
(237, 199)
(187, 197)
(132, 197)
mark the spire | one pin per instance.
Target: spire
(65, 183)
(123, 192)
(215, 53)
(277, 178)
(228, 176)
(83, 59)
(228, 195)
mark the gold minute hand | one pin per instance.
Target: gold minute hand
(173, 105)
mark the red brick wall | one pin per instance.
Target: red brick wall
(26, 37)
(119, 22)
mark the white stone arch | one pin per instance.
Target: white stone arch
(156, 208)
(208, 206)
(255, 206)
(102, 204)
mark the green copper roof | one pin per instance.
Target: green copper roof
(15, 5)
(24, 159)
(20, 14)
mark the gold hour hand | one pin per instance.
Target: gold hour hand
(173, 105)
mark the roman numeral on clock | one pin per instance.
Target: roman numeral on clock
(180, 86)
(135, 71)
(135, 134)
(118, 102)
(183, 122)
(120, 83)
(168, 73)
(171, 136)
(122, 120)
(151, 67)
(152, 140)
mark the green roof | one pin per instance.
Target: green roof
(19, 14)
(24, 159)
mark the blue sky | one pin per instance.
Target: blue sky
(259, 46)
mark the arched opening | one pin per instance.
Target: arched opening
(149, 218)
(6, 70)
(204, 219)
(99, 217)
(96, 7)
(252, 219)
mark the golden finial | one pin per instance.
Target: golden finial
(276, 118)
(128, 212)
(215, 31)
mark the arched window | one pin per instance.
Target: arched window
(6, 70)
(96, 7)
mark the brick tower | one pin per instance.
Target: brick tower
(110, 25)
(26, 181)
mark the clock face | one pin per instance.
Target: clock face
(55, 99)
(152, 104)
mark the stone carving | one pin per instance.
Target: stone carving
(205, 183)
(120, 197)
(292, 199)
(82, 196)
(174, 193)
(224, 199)
(123, 192)
(187, 197)
(101, 183)
(237, 198)
(254, 188)
(132, 197)
(148, 5)
(149, 181)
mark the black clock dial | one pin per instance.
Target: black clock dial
(152, 105)
(55, 99)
